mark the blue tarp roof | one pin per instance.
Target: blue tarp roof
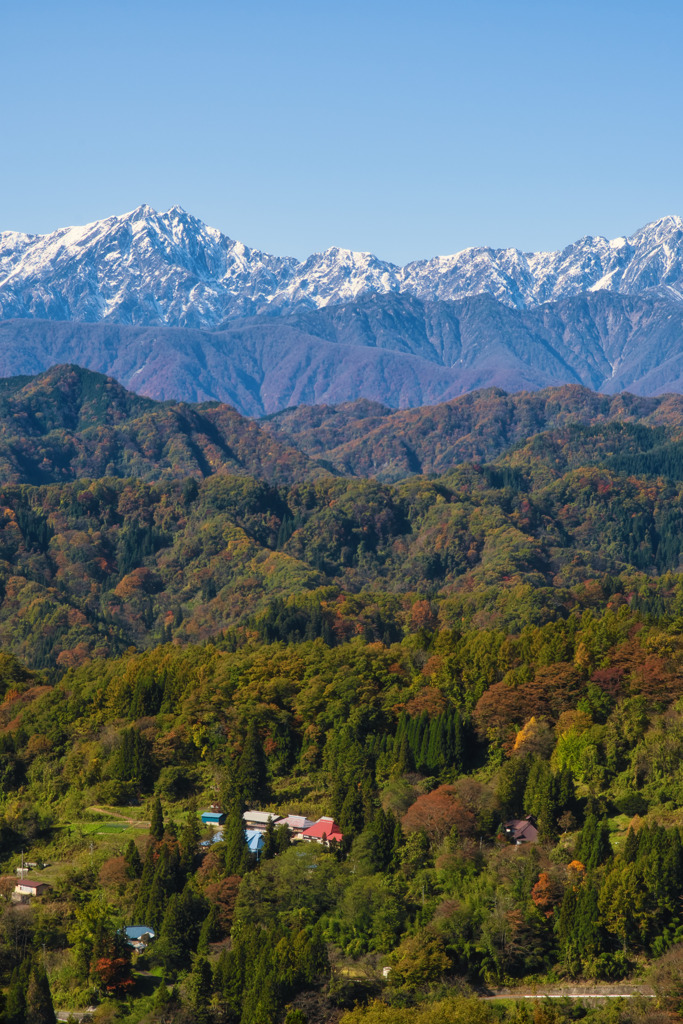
(217, 837)
(253, 837)
(137, 931)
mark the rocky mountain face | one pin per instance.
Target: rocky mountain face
(169, 268)
(173, 309)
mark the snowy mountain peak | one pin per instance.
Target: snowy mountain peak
(146, 267)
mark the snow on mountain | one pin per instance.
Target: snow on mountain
(170, 269)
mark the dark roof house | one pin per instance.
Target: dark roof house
(521, 830)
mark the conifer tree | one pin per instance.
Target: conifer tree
(601, 848)
(351, 814)
(39, 1008)
(236, 852)
(210, 931)
(15, 1005)
(251, 772)
(631, 847)
(133, 861)
(228, 981)
(270, 847)
(200, 985)
(157, 820)
(170, 948)
(189, 839)
(382, 832)
(405, 762)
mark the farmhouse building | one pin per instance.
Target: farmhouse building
(258, 820)
(324, 831)
(26, 888)
(521, 830)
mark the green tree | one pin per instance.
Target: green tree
(157, 820)
(39, 1008)
(15, 1005)
(251, 771)
(133, 861)
(199, 987)
(236, 852)
(189, 839)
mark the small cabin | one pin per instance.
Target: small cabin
(25, 888)
(521, 830)
(213, 818)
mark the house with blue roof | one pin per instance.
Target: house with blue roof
(254, 839)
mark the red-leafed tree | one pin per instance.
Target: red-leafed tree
(437, 813)
(114, 974)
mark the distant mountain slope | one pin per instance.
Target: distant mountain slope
(391, 349)
(69, 423)
(171, 269)
(482, 426)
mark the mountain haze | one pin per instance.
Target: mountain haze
(392, 349)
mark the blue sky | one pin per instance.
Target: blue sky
(405, 128)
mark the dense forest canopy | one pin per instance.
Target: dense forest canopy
(425, 661)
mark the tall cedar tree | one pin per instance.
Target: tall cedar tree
(132, 861)
(39, 1008)
(251, 771)
(157, 820)
(236, 855)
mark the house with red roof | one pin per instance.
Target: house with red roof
(324, 831)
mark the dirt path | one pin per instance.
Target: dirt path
(64, 1015)
(593, 992)
(120, 817)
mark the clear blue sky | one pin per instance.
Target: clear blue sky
(405, 128)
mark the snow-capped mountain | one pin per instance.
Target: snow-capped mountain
(152, 268)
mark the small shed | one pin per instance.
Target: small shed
(324, 831)
(26, 888)
(521, 830)
(213, 818)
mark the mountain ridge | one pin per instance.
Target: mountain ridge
(174, 309)
(170, 268)
(392, 349)
(69, 423)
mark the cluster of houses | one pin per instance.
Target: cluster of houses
(301, 829)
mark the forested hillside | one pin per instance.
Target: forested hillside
(425, 660)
